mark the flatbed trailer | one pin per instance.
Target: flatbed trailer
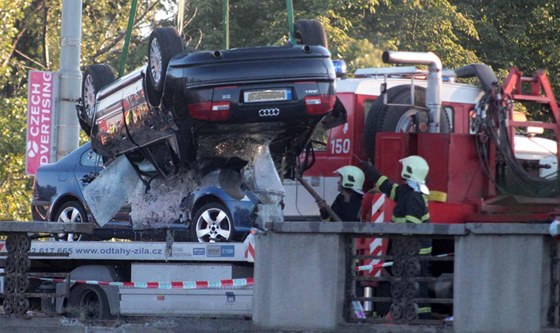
(101, 279)
(10, 227)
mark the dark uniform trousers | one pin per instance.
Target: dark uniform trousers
(410, 207)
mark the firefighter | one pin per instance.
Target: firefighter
(347, 203)
(411, 206)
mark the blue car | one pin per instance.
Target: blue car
(212, 215)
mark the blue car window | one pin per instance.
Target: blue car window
(91, 159)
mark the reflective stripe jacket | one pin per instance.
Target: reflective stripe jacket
(410, 206)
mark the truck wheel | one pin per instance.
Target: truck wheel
(212, 223)
(95, 78)
(310, 32)
(164, 44)
(396, 117)
(71, 212)
(88, 302)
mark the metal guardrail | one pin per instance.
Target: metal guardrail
(387, 229)
(391, 282)
(45, 227)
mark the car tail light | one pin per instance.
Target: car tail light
(210, 111)
(317, 105)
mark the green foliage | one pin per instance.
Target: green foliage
(422, 25)
(14, 185)
(30, 40)
(516, 33)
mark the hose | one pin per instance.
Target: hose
(490, 124)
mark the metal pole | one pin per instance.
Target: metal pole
(290, 8)
(180, 16)
(70, 78)
(124, 54)
(226, 23)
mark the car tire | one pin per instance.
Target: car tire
(88, 302)
(310, 32)
(73, 212)
(164, 44)
(396, 115)
(95, 78)
(212, 223)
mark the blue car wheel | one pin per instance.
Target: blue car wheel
(212, 223)
(70, 212)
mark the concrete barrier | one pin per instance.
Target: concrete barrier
(502, 278)
(301, 281)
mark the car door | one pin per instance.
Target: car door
(85, 170)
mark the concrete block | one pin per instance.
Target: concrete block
(501, 283)
(299, 281)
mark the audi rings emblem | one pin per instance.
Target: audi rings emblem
(269, 112)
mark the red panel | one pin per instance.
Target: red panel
(460, 117)
(434, 148)
(359, 124)
(389, 149)
(454, 166)
(443, 212)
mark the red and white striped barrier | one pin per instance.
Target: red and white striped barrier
(370, 268)
(165, 285)
(249, 246)
(377, 245)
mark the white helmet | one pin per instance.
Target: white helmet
(415, 168)
(352, 178)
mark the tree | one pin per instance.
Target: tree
(31, 41)
(515, 33)
(357, 31)
(422, 25)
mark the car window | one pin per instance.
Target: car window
(90, 158)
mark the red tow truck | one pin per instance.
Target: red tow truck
(487, 161)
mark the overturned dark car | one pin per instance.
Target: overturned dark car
(194, 109)
(246, 113)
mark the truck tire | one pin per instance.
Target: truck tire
(72, 212)
(310, 32)
(95, 78)
(164, 44)
(383, 117)
(212, 223)
(88, 302)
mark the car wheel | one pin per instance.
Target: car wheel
(212, 223)
(95, 78)
(164, 44)
(310, 32)
(71, 212)
(88, 302)
(397, 115)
